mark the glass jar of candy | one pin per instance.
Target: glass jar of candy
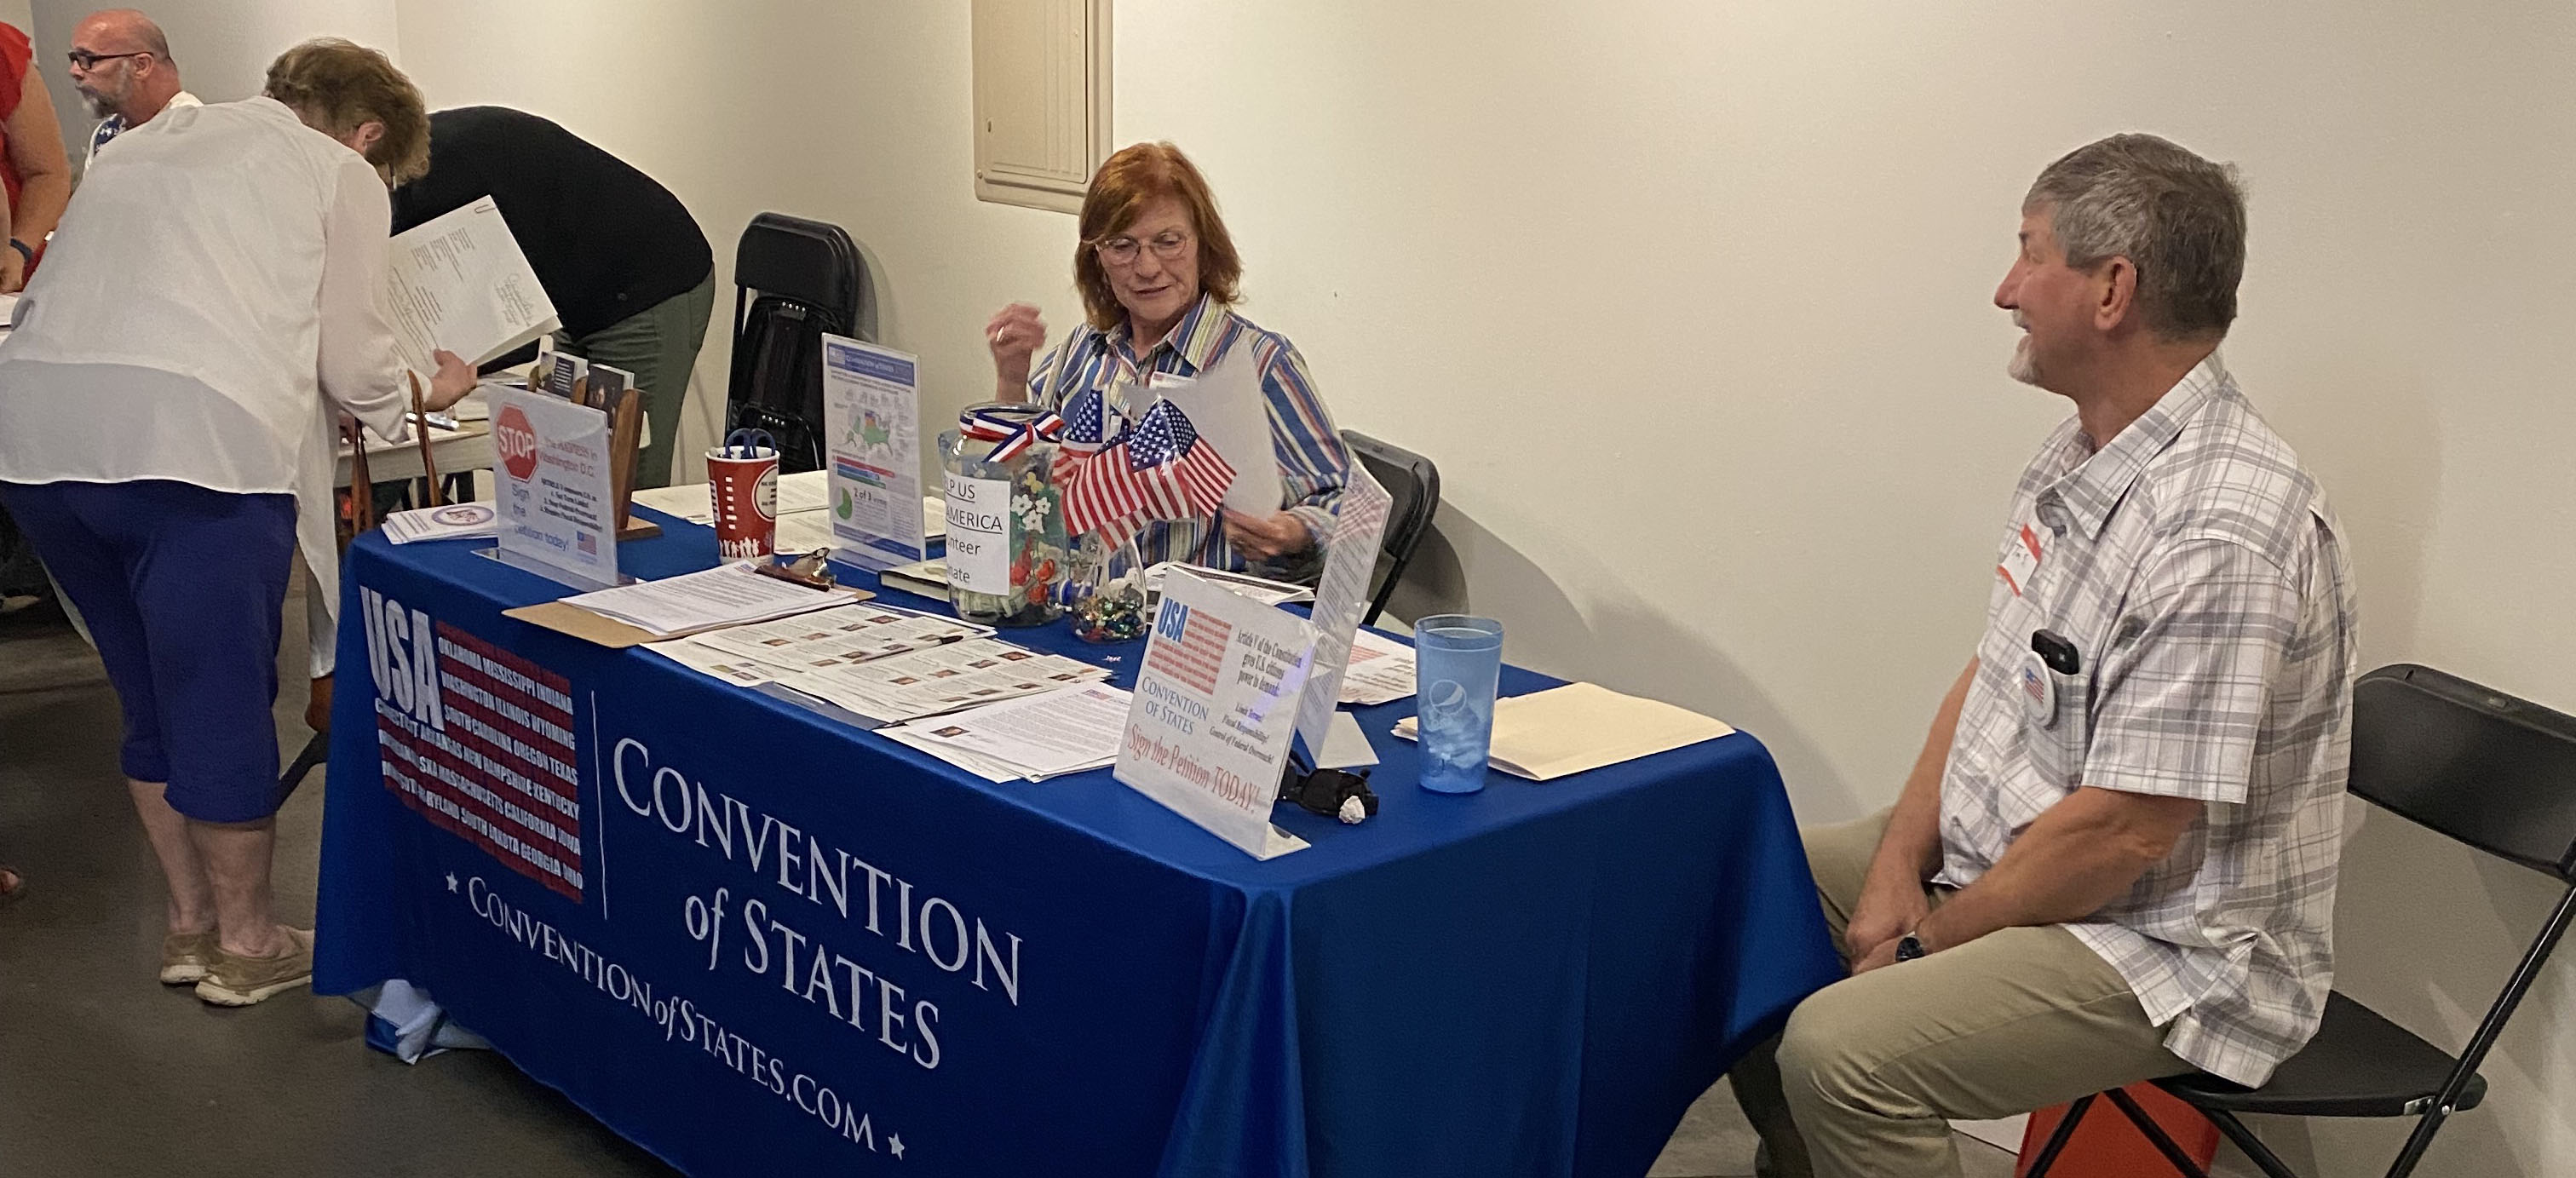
(1007, 557)
(1105, 593)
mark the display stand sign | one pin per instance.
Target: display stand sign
(1209, 726)
(558, 498)
(872, 418)
(1341, 596)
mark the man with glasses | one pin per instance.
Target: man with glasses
(121, 65)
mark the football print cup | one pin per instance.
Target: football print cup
(745, 496)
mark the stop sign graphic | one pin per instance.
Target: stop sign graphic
(516, 441)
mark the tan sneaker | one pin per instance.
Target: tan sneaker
(184, 957)
(244, 981)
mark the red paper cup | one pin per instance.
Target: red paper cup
(745, 495)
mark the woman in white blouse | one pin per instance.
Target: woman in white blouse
(208, 309)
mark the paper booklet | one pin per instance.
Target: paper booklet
(1567, 730)
(455, 521)
(459, 282)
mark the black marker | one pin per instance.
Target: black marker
(2057, 652)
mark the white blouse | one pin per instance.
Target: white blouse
(216, 277)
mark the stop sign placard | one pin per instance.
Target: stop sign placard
(516, 442)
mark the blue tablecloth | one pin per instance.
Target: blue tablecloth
(756, 941)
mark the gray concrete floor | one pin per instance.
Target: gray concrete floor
(103, 1071)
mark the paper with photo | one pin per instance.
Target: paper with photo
(456, 521)
(840, 636)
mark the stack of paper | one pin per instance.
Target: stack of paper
(456, 521)
(928, 578)
(1062, 731)
(726, 595)
(1381, 670)
(1267, 592)
(1581, 726)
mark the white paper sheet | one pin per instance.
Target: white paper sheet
(1226, 406)
(726, 595)
(459, 282)
(942, 679)
(1056, 732)
(710, 661)
(1381, 670)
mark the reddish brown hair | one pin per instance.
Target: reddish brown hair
(1138, 176)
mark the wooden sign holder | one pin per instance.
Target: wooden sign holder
(625, 438)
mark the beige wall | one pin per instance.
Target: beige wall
(223, 47)
(1690, 303)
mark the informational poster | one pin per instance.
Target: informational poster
(460, 282)
(1215, 709)
(872, 418)
(1341, 596)
(558, 508)
(979, 534)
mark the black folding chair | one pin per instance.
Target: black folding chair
(2482, 767)
(1415, 485)
(794, 280)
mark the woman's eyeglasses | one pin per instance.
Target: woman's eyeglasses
(1122, 251)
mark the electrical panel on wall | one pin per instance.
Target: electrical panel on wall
(1041, 99)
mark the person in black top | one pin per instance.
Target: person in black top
(626, 267)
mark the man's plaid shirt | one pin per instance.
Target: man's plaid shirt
(2197, 571)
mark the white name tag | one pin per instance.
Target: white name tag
(2021, 560)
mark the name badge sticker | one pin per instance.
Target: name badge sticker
(2021, 560)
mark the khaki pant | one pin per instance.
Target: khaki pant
(1864, 1080)
(658, 346)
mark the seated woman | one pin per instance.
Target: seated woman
(1158, 277)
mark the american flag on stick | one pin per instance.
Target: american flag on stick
(1161, 469)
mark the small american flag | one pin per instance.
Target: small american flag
(587, 543)
(1188, 646)
(1086, 432)
(1160, 470)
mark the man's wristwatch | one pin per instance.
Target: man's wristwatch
(1909, 947)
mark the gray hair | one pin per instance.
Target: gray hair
(2178, 218)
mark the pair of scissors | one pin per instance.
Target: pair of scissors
(748, 443)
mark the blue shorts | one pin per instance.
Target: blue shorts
(182, 588)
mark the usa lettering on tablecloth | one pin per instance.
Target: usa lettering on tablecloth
(476, 740)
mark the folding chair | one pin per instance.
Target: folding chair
(2484, 768)
(1415, 485)
(794, 280)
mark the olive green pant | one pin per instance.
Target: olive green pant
(659, 345)
(1869, 1072)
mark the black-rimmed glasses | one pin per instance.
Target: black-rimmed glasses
(85, 61)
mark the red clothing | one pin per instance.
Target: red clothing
(15, 52)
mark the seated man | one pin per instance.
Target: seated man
(2115, 857)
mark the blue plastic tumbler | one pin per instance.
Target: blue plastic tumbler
(1457, 660)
